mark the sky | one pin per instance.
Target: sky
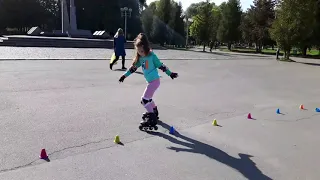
(245, 4)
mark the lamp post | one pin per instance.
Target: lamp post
(66, 22)
(64, 17)
(125, 12)
(187, 20)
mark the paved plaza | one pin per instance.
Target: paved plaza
(69, 102)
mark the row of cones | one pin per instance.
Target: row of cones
(215, 123)
(117, 138)
(43, 153)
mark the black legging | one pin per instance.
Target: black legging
(123, 60)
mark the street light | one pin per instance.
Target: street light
(187, 20)
(125, 12)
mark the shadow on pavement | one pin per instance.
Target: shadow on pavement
(311, 64)
(244, 164)
(47, 159)
(125, 70)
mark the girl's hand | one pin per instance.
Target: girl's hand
(122, 78)
(173, 75)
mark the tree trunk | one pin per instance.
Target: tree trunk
(229, 46)
(258, 50)
(304, 51)
(287, 54)
(204, 47)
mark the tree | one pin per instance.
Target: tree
(246, 28)
(316, 35)
(202, 25)
(159, 31)
(260, 17)
(294, 23)
(163, 10)
(106, 15)
(229, 27)
(176, 24)
(147, 19)
(193, 9)
(216, 12)
(18, 14)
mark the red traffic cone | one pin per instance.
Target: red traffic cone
(249, 116)
(43, 154)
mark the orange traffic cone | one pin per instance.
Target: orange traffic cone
(301, 106)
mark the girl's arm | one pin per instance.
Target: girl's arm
(132, 69)
(163, 67)
(160, 65)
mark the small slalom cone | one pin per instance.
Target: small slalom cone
(117, 139)
(317, 110)
(301, 106)
(249, 116)
(214, 122)
(43, 154)
(278, 111)
(172, 130)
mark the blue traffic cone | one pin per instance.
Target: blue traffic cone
(317, 110)
(278, 111)
(172, 130)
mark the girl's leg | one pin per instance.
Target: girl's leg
(146, 99)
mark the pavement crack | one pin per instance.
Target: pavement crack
(17, 167)
(49, 154)
(52, 89)
(78, 146)
(304, 118)
(217, 113)
(293, 121)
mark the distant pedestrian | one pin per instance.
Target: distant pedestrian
(211, 45)
(119, 49)
(277, 53)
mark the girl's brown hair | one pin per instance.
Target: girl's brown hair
(141, 41)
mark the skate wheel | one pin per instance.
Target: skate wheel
(156, 128)
(151, 128)
(140, 127)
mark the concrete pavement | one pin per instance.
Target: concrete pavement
(41, 53)
(74, 109)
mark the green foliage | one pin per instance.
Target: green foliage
(229, 28)
(193, 9)
(294, 23)
(202, 26)
(163, 22)
(256, 23)
(297, 23)
(246, 28)
(18, 14)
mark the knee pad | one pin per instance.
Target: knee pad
(145, 102)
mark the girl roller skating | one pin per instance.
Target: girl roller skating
(150, 64)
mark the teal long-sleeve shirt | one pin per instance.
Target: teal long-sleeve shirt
(150, 65)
